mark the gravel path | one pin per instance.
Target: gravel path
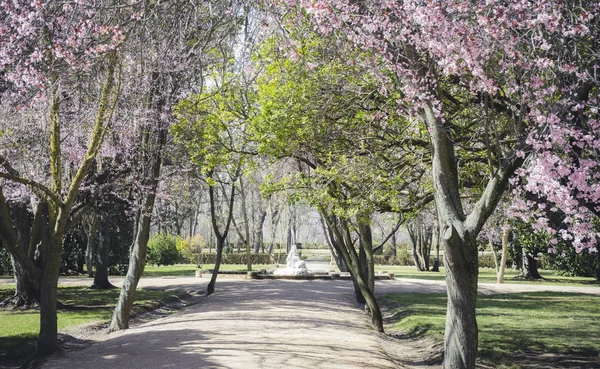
(247, 324)
(264, 324)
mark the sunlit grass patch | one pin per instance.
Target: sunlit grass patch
(543, 322)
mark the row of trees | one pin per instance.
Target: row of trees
(428, 110)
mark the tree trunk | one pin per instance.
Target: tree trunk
(210, 289)
(220, 236)
(48, 338)
(27, 231)
(495, 255)
(258, 232)
(505, 234)
(246, 224)
(530, 268)
(102, 254)
(27, 289)
(92, 231)
(461, 335)
(366, 239)
(139, 248)
(152, 143)
(343, 240)
(339, 261)
(458, 236)
(421, 239)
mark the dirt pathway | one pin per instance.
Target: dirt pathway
(247, 324)
(266, 324)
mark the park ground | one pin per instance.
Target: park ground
(317, 324)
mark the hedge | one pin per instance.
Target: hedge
(235, 258)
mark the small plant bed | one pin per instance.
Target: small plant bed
(78, 306)
(525, 330)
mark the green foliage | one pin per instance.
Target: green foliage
(526, 236)
(191, 247)
(330, 115)
(5, 264)
(212, 125)
(162, 250)
(567, 261)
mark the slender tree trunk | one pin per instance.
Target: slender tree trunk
(210, 289)
(137, 256)
(495, 255)
(258, 231)
(339, 261)
(153, 142)
(220, 236)
(246, 224)
(351, 258)
(505, 234)
(366, 237)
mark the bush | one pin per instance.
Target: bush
(191, 247)
(402, 257)
(162, 250)
(5, 263)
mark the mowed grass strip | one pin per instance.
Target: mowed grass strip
(513, 324)
(80, 305)
(487, 275)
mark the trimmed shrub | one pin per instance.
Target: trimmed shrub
(235, 258)
(162, 250)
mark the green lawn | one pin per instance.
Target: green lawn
(487, 275)
(542, 322)
(19, 329)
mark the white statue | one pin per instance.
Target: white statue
(293, 260)
(295, 266)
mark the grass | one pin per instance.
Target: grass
(487, 275)
(19, 329)
(189, 270)
(542, 322)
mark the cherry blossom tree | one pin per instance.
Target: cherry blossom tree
(44, 47)
(502, 80)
